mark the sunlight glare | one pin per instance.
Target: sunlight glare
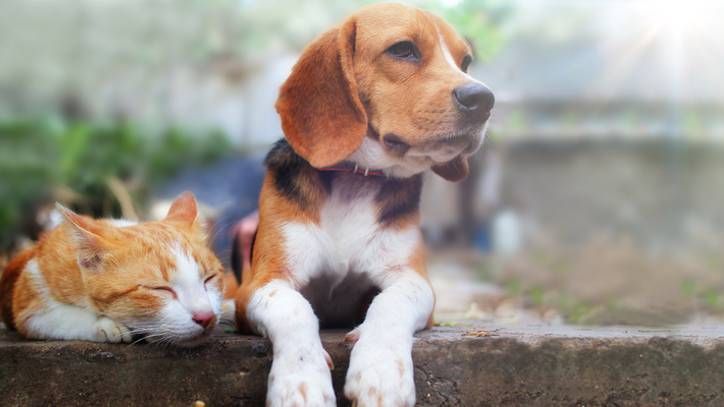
(450, 3)
(682, 17)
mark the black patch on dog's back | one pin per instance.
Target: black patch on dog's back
(286, 166)
(399, 197)
(326, 178)
(301, 183)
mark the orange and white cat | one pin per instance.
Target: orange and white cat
(106, 280)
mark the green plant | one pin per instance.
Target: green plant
(478, 20)
(45, 160)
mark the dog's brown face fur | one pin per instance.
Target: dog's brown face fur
(384, 90)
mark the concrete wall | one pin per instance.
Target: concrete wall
(660, 193)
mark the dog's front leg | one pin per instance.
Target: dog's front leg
(300, 371)
(380, 371)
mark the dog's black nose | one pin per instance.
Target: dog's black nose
(474, 97)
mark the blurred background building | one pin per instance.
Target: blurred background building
(598, 197)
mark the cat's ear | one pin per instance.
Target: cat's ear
(184, 209)
(87, 235)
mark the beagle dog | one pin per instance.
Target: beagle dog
(369, 106)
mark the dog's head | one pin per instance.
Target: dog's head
(387, 89)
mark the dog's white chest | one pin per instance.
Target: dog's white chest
(334, 245)
(347, 239)
(350, 224)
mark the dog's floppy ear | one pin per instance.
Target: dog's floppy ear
(322, 115)
(453, 170)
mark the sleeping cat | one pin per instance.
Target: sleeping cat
(106, 280)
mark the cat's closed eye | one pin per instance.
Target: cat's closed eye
(164, 288)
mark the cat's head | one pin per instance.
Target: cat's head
(160, 279)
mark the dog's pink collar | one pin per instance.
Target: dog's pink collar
(354, 169)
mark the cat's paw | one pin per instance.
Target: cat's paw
(380, 374)
(228, 313)
(108, 330)
(300, 378)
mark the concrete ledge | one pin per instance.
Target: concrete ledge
(468, 366)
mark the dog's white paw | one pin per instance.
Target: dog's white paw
(300, 377)
(108, 330)
(380, 374)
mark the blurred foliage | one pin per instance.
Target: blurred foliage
(74, 46)
(478, 20)
(46, 160)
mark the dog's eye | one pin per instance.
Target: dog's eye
(395, 143)
(404, 50)
(466, 63)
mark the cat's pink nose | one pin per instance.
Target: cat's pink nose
(204, 318)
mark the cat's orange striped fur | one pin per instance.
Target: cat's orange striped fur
(105, 280)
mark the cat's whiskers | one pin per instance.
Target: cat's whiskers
(165, 332)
